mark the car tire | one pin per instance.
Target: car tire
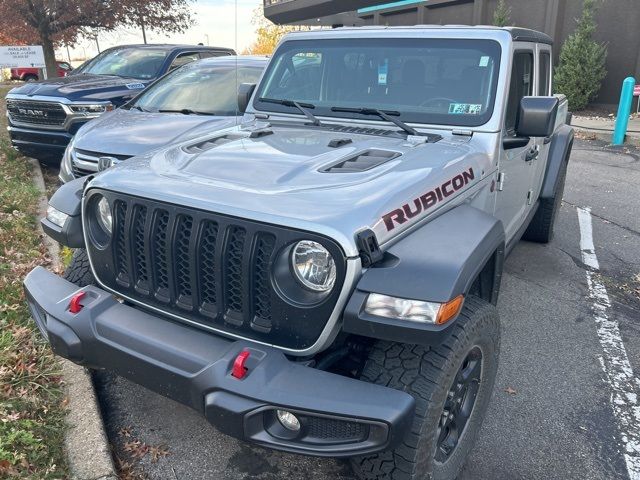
(431, 375)
(540, 229)
(26, 78)
(79, 270)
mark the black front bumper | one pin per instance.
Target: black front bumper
(340, 416)
(41, 144)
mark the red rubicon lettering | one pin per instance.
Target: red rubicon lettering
(427, 200)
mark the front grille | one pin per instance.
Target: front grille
(209, 269)
(35, 112)
(85, 162)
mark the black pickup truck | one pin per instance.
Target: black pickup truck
(44, 116)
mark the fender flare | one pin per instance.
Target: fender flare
(67, 199)
(559, 152)
(435, 263)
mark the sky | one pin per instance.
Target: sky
(214, 18)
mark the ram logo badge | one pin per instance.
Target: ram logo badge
(427, 200)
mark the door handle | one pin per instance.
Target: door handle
(532, 154)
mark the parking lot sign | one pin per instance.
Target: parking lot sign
(22, 56)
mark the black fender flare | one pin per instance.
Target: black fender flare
(437, 262)
(559, 153)
(67, 199)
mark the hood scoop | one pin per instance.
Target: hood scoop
(361, 162)
(211, 143)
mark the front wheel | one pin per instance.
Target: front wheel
(452, 384)
(79, 270)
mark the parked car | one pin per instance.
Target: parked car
(43, 116)
(27, 73)
(323, 278)
(198, 98)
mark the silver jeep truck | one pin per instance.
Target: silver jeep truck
(323, 278)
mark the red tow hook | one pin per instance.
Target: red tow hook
(239, 370)
(74, 304)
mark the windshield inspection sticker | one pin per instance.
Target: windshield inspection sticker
(484, 61)
(383, 69)
(134, 86)
(465, 108)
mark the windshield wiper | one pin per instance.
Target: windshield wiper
(385, 115)
(300, 106)
(185, 111)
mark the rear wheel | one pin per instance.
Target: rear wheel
(29, 77)
(452, 384)
(79, 270)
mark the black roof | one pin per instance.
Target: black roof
(170, 46)
(527, 35)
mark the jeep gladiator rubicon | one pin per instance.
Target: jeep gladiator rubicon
(44, 116)
(323, 278)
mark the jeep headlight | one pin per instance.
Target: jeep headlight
(313, 266)
(104, 216)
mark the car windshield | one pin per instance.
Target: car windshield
(140, 63)
(201, 87)
(436, 81)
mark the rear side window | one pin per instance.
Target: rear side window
(521, 86)
(544, 80)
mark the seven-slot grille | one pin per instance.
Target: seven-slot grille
(210, 269)
(36, 112)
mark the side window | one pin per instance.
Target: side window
(183, 59)
(544, 80)
(521, 86)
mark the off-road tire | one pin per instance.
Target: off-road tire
(79, 270)
(428, 373)
(540, 229)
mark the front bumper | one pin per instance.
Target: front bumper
(41, 144)
(340, 416)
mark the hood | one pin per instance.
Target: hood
(132, 132)
(297, 176)
(84, 87)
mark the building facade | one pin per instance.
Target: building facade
(618, 23)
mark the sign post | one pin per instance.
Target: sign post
(21, 56)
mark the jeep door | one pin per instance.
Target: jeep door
(515, 168)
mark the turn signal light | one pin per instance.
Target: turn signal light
(449, 310)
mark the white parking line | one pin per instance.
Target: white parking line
(615, 362)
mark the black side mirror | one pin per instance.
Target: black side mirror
(245, 90)
(537, 116)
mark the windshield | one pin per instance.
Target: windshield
(199, 88)
(140, 63)
(437, 81)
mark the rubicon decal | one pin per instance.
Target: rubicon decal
(427, 200)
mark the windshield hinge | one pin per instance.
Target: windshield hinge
(463, 133)
(368, 247)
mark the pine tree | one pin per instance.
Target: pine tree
(502, 14)
(582, 62)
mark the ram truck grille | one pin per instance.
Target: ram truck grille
(211, 270)
(36, 112)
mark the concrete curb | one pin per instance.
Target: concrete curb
(86, 441)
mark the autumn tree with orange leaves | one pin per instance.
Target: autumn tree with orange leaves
(51, 22)
(268, 34)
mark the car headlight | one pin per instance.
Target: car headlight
(92, 109)
(313, 266)
(413, 310)
(104, 216)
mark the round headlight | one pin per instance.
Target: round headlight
(104, 216)
(313, 266)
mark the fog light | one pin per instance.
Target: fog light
(288, 420)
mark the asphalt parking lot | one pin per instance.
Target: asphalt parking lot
(556, 411)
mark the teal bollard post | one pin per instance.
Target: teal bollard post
(624, 110)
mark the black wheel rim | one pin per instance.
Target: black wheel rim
(458, 406)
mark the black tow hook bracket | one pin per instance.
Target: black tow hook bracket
(368, 247)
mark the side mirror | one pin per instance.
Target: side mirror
(245, 90)
(537, 116)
